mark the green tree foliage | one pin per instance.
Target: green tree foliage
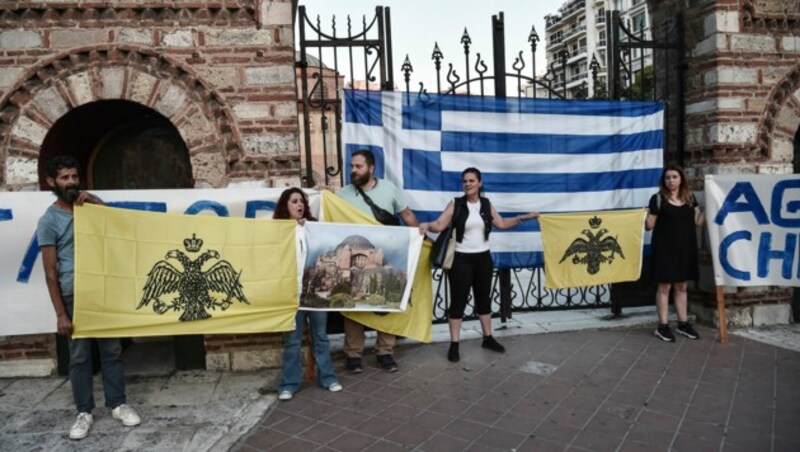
(342, 287)
(600, 89)
(341, 300)
(642, 86)
(393, 286)
(373, 283)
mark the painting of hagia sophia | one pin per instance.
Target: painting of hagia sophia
(355, 274)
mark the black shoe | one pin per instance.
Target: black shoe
(687, 330)
(387, 363)
(354, 365)
(490, 343)
(664, 333)
(452, 354)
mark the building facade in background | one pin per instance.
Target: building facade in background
(577, 34)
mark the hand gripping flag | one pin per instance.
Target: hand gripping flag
(416, 321)
(591, 248)
(535, 154)
(151, 274)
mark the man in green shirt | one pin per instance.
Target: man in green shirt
(371, 195)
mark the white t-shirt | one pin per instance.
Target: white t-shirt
(474, 239)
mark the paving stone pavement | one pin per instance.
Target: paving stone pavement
(615, 390)
(191, 411)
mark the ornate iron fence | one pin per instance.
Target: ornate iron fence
(651, 65)
(367, 51)
(527, 293)
(520, 289)
(648, 65)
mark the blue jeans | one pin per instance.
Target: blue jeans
(321, 348)
(80, 369)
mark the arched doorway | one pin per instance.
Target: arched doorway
(123, 145)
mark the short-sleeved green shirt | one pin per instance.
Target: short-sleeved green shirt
(384, 194)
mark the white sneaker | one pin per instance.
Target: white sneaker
(127, 415)
(285, 395)
(335, 387)
(81, 426)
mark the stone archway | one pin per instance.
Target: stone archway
(120, 145)
(781, 119)
(84, 78)
(55, 86)
(779, 136)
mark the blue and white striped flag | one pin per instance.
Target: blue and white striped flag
(535, 154)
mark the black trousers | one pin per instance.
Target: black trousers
(470, 271)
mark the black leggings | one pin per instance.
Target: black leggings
(470, 271)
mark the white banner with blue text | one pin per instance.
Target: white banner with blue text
(754, 223)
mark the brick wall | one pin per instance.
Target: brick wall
(742, 113)
(243, 352)
(222, 71)
(27, 355)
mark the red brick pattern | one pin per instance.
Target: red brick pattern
(221, 71)
(235, 342)
(27, 347)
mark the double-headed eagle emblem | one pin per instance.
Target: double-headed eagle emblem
(193, 286)
(594, 251)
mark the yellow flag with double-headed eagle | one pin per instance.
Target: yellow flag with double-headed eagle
(591, 248)
(151, 274)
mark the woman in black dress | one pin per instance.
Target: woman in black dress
(674, 215)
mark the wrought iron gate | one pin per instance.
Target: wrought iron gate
(519, 289)
(664, 79)
(372, 45)
(631, 78)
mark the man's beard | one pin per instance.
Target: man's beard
(359, 181)
(67, 194)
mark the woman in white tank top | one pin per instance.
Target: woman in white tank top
(473, 216)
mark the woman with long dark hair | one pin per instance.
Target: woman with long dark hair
(472, 265)
(674, 216)
(293, 204)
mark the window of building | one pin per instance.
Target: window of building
(638, 22)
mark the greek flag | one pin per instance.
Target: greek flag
(535, 154)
